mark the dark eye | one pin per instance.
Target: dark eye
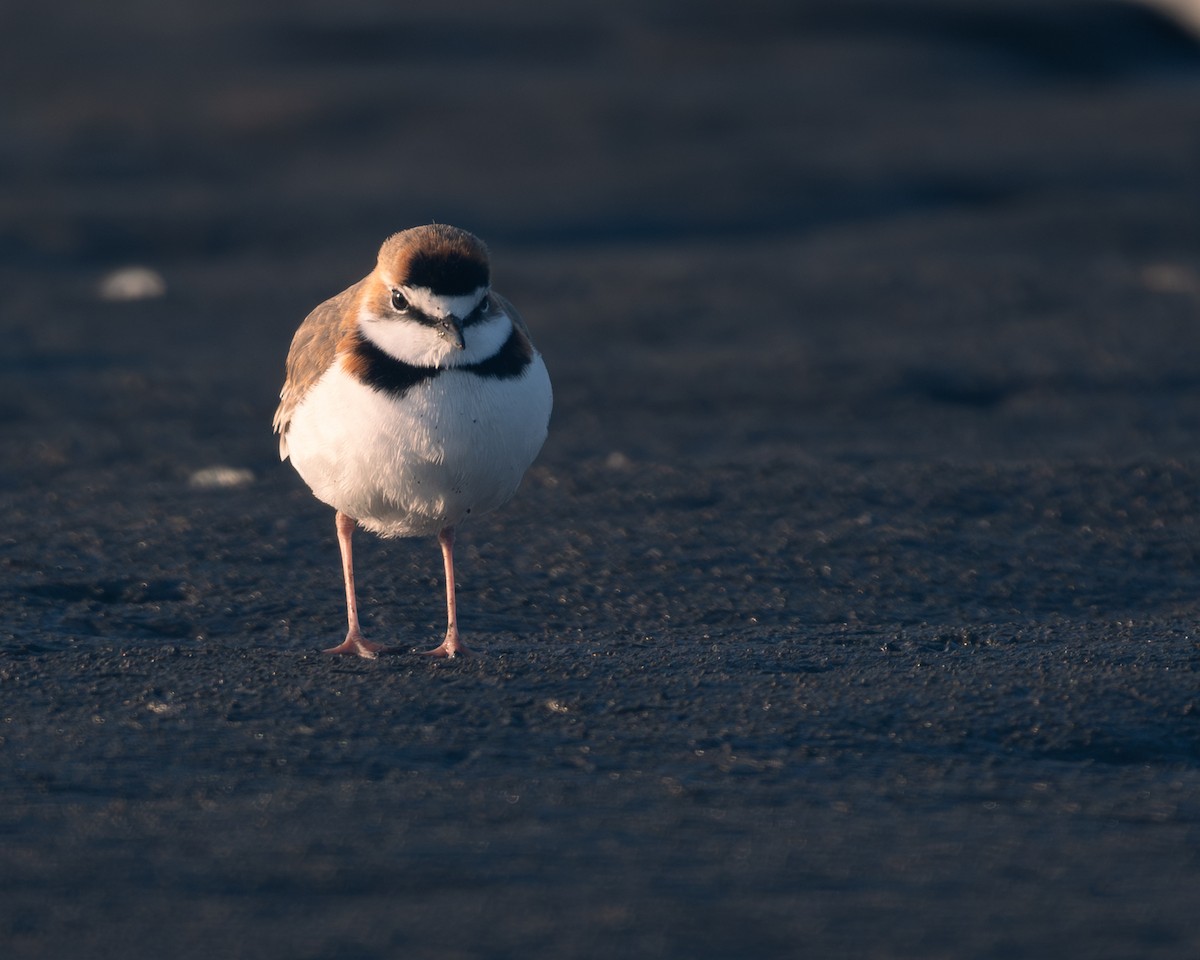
(399, 301)
(483, 308)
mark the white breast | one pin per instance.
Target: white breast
(409, 466)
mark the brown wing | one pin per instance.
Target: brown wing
(313, 349)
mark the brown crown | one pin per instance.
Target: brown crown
(441, 258)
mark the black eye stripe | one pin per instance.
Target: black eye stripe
(421, 317)
(479, 314)
(402, 304)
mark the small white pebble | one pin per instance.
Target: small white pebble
(132, 283)
(213, 478)
(1170, 278)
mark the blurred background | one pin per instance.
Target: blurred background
(857, 223)
(851, 601)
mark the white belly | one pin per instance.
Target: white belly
(451, 446)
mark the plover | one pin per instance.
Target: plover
(413, 399)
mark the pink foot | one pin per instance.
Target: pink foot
(358, 645)
(451, 647)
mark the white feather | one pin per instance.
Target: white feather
(436, 305)
(450, 446)
(420, 345)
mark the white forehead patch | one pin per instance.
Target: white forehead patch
(437, 306)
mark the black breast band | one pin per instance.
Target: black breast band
(381, 371)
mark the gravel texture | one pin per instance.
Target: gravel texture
(850, 609)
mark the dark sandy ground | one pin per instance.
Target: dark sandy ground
(850, 610)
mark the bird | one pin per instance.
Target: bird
(413, 399)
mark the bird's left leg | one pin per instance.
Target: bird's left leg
(452, 646)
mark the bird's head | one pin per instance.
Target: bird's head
(429, 287)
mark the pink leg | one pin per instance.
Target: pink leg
(355, 642)
(451, 646)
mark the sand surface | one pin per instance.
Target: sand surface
(850, 609)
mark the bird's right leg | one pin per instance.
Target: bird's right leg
(355, 642)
